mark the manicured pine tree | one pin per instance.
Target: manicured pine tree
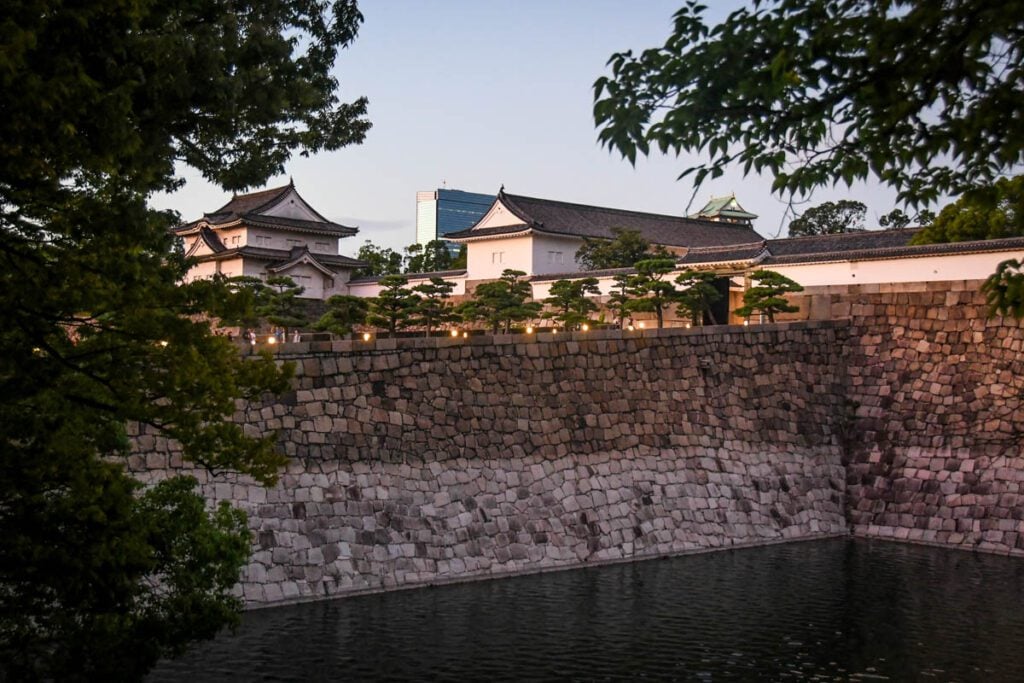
(502, 302)
(696, 295)
(433, 308)
(344, 313)
(768, 295)
(393, 308)
(651, 290)
(620, 298)
(569, 301)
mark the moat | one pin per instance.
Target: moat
(819, 610)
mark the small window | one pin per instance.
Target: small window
(323, 245)
(555, 257)
(234, 240)
(295, 243)
(497, 257)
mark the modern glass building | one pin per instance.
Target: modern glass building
(442, 211)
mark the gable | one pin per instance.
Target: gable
(498, 216)
(291, 205)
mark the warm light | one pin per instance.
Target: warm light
(366, 336)
(455, 333)
(642, 325)
(746, 323)
(586, 327)
(687, 325)
(630, 328)
(163, 343)
(252, 340)
(554, 330)
(465, 335)
(271, 339)
(529, 329)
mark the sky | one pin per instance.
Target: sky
(476, 94)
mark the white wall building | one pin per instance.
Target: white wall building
(272, 232)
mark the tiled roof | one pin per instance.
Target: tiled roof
(249, 208)
(724, 206)
(584, 221)
(300, 225)
(739, 252)
(876, 244)
(252, 202)
(281, 256)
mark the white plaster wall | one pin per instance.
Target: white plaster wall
(282, 239)
(233, 238)
(483, 263)
(923, 269)
(555, 254)
(231, 268)
(201, 270)
(371, 289)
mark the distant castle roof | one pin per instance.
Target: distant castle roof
(581, 220)
(267, 209)
(725, 209)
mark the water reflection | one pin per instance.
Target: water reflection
(826, 610)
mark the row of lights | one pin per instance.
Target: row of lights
(465, 335)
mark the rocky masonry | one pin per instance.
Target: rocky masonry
(936, 452)
(448, 460)
(428, 461)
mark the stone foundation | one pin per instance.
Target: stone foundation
(422, 461)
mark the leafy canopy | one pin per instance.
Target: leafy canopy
(626, 248)
(923, 95)
(379, 261)
(432, 257)
(983, 214)
(101, 100)
(768, 295)
(830, 218)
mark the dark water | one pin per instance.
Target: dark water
(822, 611)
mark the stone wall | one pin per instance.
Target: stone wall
(936, 439)
(417, 462)
(423, 461)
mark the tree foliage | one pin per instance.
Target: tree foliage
(1004, 289)
(394, 307)
(768, 295)
(618, 300)
(897, 219)
(571, 306)
(625, 249)
(697, 294)
(830, 218)
(344, 313)
(501, 302)
(279, 303)
(98, 579)
(652, 292)
(434, 308)
(983, 214)
(379, 261)
(820, 91)
(432, 257)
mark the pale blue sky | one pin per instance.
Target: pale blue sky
(483, 93)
